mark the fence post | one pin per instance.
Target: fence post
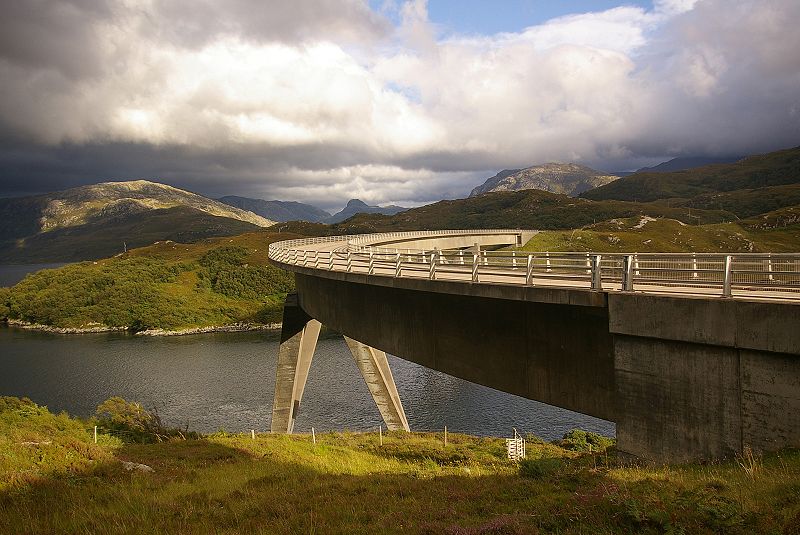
(547, 256)
(627, 273)
(330, 261)
(694, 266)
(95, 434)
(371, 263)
(529, 271)
(349, 262)
(474, 268)
(313, 437)
(398, 266)
(461, 257)
(513, 259)
(597, 278)
(445, 436)
(432, 272)
(726, 281)
(253, 434)
(769, 267)
(380, 434)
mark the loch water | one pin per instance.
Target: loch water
(214, 381)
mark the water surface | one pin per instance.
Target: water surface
(226, 381)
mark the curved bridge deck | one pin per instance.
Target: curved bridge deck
(456, 256)
(691, 355)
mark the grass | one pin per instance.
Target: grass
(639, 234)
(348, 483)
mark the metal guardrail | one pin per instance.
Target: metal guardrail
(726, 275)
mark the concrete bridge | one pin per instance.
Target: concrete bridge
(691, 355)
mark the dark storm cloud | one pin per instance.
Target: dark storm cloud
(61, 36)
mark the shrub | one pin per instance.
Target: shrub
(129, 421)
(580, 440)
(539, 468)
(229, 275)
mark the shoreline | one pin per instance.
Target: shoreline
(96, 329)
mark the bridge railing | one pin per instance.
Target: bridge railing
(727, 275)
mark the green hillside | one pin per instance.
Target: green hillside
(774, 233)
(533, 209)
(166, 286)
(762, 171)
(743, 203)
(55, 479)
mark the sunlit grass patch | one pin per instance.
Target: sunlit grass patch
(351, 483)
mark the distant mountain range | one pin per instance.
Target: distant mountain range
(761, 192)
(356, 206)
(278, 210)
(565, 178)
(758, 191)
(100, 220)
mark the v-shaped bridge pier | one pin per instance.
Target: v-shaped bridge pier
(299, 336)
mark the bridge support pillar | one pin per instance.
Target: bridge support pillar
(299, 335)
(374, 367)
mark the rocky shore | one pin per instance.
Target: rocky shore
(233, 328)
(100, 328)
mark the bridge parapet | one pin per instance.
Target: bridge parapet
(451, 255)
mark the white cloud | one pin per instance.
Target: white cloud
(673, 7)
(336, 106)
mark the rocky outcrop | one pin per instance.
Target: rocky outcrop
(565, 178)
(118, 199)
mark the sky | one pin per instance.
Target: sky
(390, 101)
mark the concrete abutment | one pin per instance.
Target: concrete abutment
(704, 378)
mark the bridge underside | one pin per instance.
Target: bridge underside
(555, 353)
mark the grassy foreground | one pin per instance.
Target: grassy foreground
(54, 479)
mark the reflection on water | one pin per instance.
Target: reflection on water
(226, 381)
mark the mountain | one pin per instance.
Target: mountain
(100, 220)
(356, 206)
(753, 173)
(278, 210)
(679, 164)
(566, 178)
